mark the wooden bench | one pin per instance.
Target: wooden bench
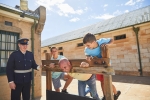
(97, 66)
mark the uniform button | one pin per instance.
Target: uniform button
(24, 76)
(25, 65)
(24, 59)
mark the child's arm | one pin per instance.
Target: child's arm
(111, 41)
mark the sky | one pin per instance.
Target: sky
(64, 16)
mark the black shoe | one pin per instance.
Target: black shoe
(103, 98)
(64, 91)
(117, 95)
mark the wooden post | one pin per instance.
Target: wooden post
(48, 80)
(48, 75)
(107, 78)
(47, 56)
(108, 87)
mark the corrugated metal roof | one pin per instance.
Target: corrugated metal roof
(128, 19)
(28, 12)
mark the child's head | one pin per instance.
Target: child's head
(89, 40)
(54, 51)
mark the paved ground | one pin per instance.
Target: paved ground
(132, 87)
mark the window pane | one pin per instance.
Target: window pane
(3, 54)
(15, 46)
(3, 62)
(15, 39)
(3, 45)
(7, 46)
(7, 38)
(3, 37)
(0, 37)
(12, 46)
(8, 54)
(12, 38)
(0, 45)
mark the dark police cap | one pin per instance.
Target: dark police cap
(23, 41)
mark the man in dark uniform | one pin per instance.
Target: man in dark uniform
(19, 71)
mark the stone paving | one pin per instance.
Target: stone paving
(131, 87)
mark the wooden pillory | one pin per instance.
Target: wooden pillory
(96, 66)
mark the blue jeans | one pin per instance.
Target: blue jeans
(92, 85)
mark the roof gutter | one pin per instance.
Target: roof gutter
(17, 12)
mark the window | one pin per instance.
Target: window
(44, 51)
(120, 37)
(79, 44)
(8, 44)
(60, 48)
(61, 53)
(8, 23)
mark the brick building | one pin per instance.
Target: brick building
(130, 53)
(18, 22)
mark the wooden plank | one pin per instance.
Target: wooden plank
(89, 70)
(76, 62)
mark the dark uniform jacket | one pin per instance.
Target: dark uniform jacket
(20, 61)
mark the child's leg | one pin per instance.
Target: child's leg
(81, 88)
(56, 84)
(92, 84)
(114, 89)
(116, 93)
(57, 90)
(102, 86)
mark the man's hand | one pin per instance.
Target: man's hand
(51, 65)
(88, 58)
(12, 85)
(84, 64)
(39, 67)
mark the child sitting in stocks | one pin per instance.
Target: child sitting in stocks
(92, 49)
(83, 79)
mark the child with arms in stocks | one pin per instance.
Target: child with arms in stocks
(92, 49)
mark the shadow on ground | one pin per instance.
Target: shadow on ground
(131, 79)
